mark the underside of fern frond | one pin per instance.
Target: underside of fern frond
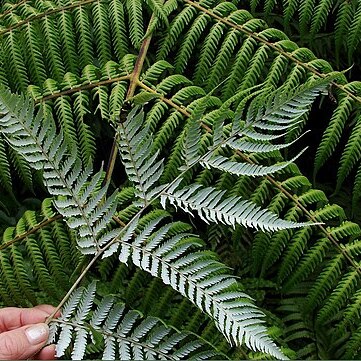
(124, 334)
(89, 213)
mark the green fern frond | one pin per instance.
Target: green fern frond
(353, 38)
(319, 17)
(333, 132)
(339, 296)
(157, 7)
(117, 24)
(136, 28)
(82, 24)
(36, 255)
(5, 175)
(351, 154)
(337, 19)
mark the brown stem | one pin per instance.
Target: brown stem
(73, 287)
(81, 88)
(31, 231)
(134, 82)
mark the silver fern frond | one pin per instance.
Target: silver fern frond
(135, 144)
(78, 191)
(212, 205)
(125, 334)
(168, 251)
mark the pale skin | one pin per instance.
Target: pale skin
(23, 333)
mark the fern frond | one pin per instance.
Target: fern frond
(353, 38)
(339, 296)
(16, 62)
(5, 175)
(320, 16)
(136, 28)
(237, 168)
(197, 276)
(82, 24)
(37, 141)
(135, 146)
(157, 7)
(37, 254)
(117, 24)
(333, 132)
(125, 334)
(351, 154)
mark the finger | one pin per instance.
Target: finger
(49, 309)
(23, 342)
(47, 353)
(12, 318)
(46, 308)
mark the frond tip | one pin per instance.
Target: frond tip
(212, 206)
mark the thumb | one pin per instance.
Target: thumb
(23, 342)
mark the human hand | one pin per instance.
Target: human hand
(23, 333)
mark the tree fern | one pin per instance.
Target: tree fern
(201, 101)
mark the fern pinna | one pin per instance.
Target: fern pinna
(201, 106)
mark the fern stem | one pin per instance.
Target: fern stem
(134, 78)
(134, 82)
(31, 231)
(119, 221)
(73, 287)
(44, 14)
(271, 45)
(81, 88)
(180, 109)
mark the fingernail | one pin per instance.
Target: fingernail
(37, 333)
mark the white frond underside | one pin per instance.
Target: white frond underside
(247, 169)
(213, 206)
(135, 146)
(79, 200)
(126, 334)
(177, 260)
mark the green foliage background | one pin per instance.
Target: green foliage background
(85, 61)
